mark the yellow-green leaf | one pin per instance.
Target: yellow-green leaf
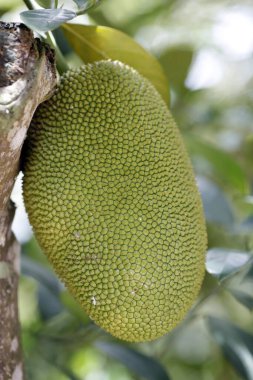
(95, 43)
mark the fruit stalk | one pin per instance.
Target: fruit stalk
(28, 4)
(27, 77)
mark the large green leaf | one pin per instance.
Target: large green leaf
(145, 366)
(95, 43)
(236, 344)
(223, 165)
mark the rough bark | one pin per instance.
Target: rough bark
(27, 77)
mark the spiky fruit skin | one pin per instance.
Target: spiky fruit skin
(111, 196)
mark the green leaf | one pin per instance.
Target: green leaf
(222, 164)
(236, 344)
(142, 365)
(242, 297)
(84, 5)
(221, 262)
(43, 20)
(95, 43)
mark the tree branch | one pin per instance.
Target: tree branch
(27, 77)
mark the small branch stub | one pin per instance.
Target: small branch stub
(27, 77)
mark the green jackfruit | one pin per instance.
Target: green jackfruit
(111, 196)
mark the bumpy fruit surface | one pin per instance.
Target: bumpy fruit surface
(111, 196)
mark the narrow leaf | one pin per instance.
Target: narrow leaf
(43, 20)
(222, 164)
(242, 297)
(142, 365)
(236, 344)
(95, 43)
(221, 262)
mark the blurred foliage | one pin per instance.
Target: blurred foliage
(206, 50)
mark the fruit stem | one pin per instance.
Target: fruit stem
(28, 4)
(61, 63)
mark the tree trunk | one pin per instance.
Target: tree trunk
(27, 77)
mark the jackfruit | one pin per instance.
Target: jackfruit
(111, 195)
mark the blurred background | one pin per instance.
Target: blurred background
(206, 50)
